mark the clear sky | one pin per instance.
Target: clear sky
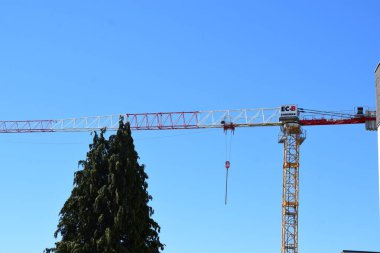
(69, 58)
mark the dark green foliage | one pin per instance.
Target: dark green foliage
(108, 210)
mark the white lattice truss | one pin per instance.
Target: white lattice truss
(151, 121)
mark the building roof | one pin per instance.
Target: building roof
(378, 66)
(356, 251)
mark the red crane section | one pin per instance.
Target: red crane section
(319, 122)
(318, 118)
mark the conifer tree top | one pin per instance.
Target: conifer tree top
(108, 211)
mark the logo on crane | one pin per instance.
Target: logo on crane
(289, 111)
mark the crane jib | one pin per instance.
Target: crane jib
(226, 119)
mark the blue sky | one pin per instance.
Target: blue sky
(86, 58)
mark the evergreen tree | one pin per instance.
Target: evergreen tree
(108, 210)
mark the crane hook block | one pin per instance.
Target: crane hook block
(228, 164)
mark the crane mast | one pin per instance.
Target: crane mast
(290, 118)
(292, 139)
(292, 136)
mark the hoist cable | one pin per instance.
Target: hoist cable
(229, 154)
(225, 196)
(228, 158)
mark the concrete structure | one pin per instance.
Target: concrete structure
(355, 251)
(377, 78)
(377, 81)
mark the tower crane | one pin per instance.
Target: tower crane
(290, 118)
